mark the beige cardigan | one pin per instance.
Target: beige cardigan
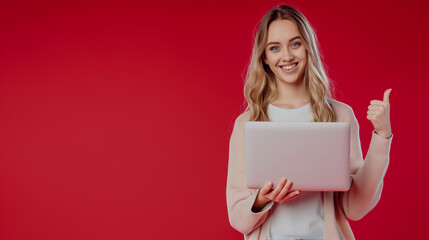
(364, 193)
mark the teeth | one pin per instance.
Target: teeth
(288, 67)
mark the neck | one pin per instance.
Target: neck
(291, 94)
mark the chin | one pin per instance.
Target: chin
(291, 79)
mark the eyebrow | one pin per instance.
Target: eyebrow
(296, 37)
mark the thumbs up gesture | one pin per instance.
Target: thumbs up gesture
(379, 115)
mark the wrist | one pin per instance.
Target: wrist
(259, 203)
(383, 134)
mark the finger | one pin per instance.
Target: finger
(284, 191)
(288, 186)
(369, 112)
(267, 187)
(371, 117)
(290, 196)
(377, 102)
(278, 188)
(386, 95)
(375, 107)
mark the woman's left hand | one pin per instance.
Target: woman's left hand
(379, 115)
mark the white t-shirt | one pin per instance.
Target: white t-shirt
(301, 217)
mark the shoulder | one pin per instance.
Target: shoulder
(241, 120)
(342, 110)
(237, 134)
(339, 106)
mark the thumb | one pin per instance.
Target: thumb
(386, 95)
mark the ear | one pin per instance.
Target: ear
(265, 60)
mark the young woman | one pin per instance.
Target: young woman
(286, 82)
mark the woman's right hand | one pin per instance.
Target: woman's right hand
(279, 194)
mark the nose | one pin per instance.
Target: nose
(287, 56)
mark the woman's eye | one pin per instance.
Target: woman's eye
(274, 48)
(297, 44)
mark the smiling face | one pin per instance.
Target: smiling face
(285, 53)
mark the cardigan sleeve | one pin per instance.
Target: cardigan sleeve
(367, 176)
(240, 199)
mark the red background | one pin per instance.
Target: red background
(116, 115)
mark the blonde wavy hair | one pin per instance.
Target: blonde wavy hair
(260, 86)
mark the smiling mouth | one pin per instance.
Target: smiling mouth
(289, 68)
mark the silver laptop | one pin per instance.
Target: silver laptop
(315, 156)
